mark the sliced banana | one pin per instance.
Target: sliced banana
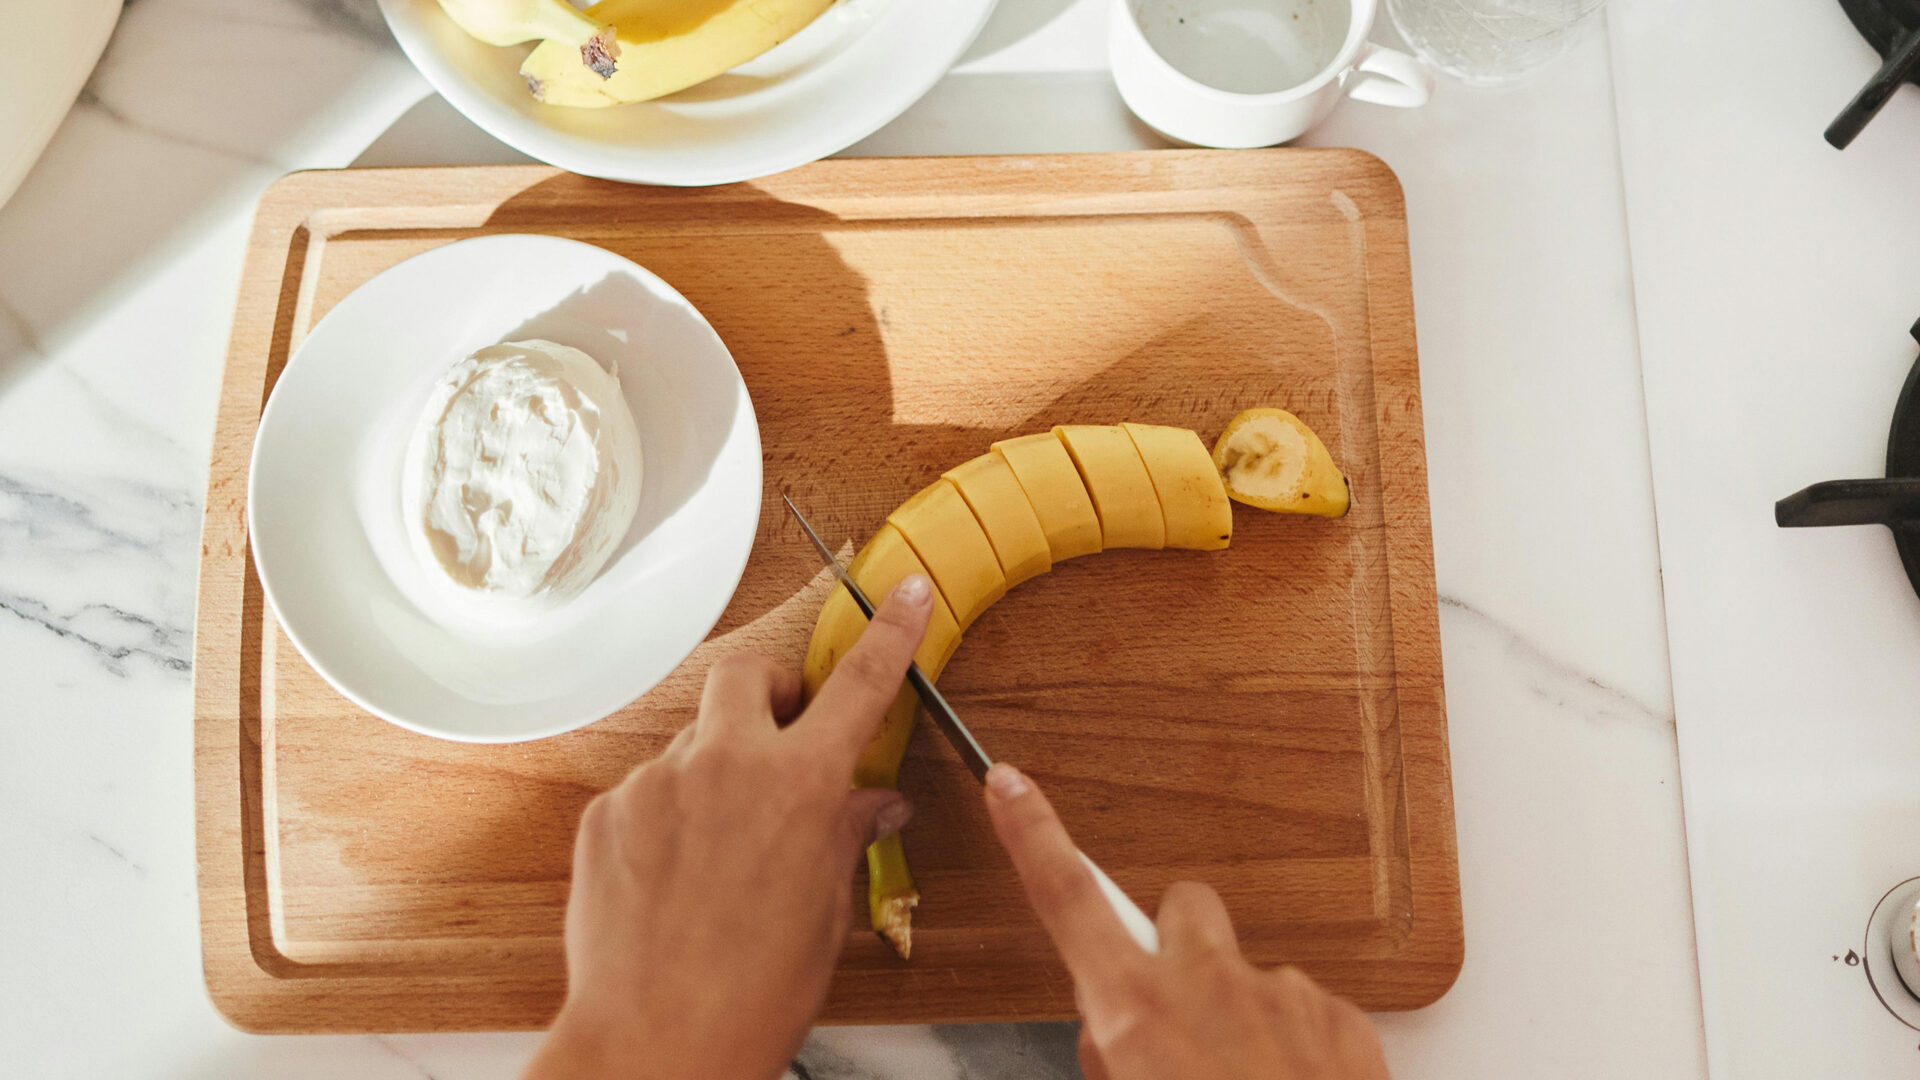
(1031, 503)
(1271, 460)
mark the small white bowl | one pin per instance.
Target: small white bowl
(323, 496)
(859, 65)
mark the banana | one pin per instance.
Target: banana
(994, 495)
(878, 568)
(941, 528)
(1009, 515)
(1192, 498)
(1130, 514)
(891, 895)
(589, 46)
(667, 45)
(1055, 492)
(1271, 460)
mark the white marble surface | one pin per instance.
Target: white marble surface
(118, 263)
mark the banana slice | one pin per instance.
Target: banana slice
(1271, 460)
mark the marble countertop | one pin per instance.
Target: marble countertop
(119, 258)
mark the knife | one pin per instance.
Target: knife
(1139, 927)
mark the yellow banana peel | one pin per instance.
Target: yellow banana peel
(666, 45)
(589, 46)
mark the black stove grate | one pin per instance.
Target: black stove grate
(1882, 22)
(1893, 501)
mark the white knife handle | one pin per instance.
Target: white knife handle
(1135, 920)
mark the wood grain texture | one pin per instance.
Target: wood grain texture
(1267, 718)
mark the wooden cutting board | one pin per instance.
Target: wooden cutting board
(1267, 718)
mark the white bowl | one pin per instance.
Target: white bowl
(859, 65)
(323, 497)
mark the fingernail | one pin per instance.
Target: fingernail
(892, 818)
(914, 589)
(1006, 781)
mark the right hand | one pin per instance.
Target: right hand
(1196, 1010)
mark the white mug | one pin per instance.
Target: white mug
(1238, 73)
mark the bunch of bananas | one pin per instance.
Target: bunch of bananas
(1027, 504)
(621, 51)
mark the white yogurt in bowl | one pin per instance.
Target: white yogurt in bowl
(607, 590)
(523, 473)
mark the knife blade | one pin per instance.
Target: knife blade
(971, 754)
(1138, 926)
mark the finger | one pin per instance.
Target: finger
(869, 814)
(1090, 936)
(1293, 994)
(1092, 1065)
(1356, 1045)
(593, 827)
(675, 747)
(744, 690)
(788, 694)
(848, 709)
(1193, 922)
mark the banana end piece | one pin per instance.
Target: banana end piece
(600, 53)
(891, 896)
(557, 92)
(893, 920)
(1341, 501)
(1269, 459)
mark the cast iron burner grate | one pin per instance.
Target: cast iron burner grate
(1893, 502)
(1882, 22)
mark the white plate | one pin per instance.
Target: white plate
(859, 65)
(323, 497)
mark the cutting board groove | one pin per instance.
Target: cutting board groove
(1268, 718)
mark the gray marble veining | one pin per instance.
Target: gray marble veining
(99, 564)
(1561, 684)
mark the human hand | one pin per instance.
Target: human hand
(712, 887)
(1196, 1010)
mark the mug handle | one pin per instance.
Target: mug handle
(1399, 80)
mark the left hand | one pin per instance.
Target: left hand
(712, 887)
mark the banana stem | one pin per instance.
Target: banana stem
(890, 892)
(598, 43)
(891, 896)
(601, 52)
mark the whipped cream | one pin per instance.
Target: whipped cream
(524, 472)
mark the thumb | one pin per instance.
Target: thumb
(870, 814)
